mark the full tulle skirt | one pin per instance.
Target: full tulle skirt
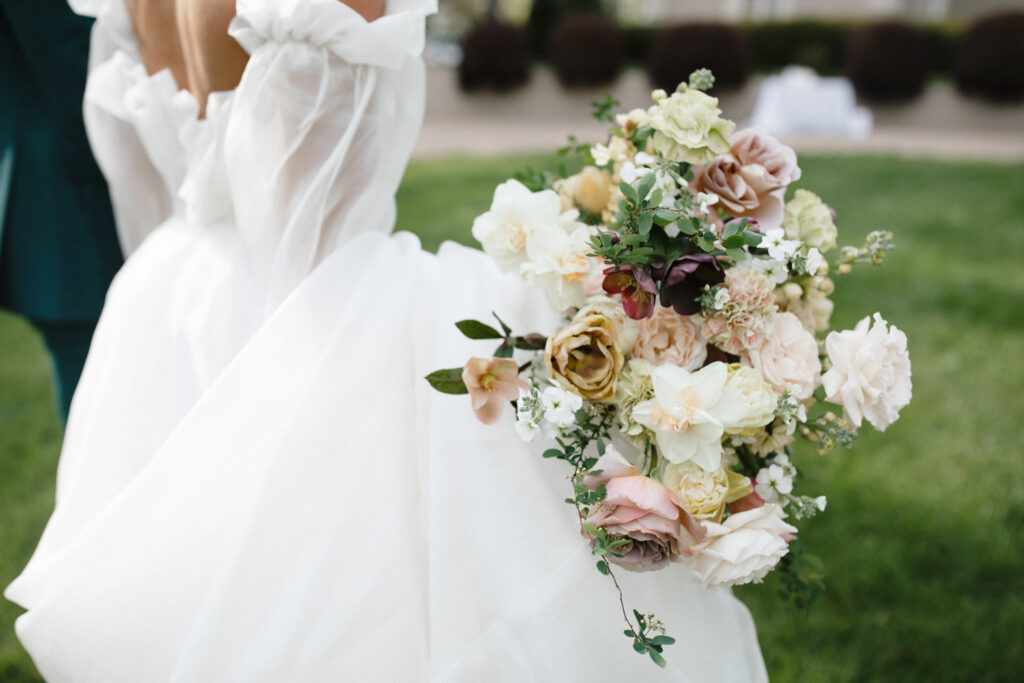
(246, 496)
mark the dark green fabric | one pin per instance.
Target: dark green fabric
(58, 245)
(69, 344)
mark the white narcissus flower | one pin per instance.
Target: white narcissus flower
(557, 263)
(870, 373)
(743, 549)
(515, 215)
(679, 414)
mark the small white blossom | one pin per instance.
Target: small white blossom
(705, 200)
(560, 406)
(630, 173)
(527, 429)
(771, 481)
(778, 246)
(814, 261)
(820, 503)
(774, 269)
(722, 297)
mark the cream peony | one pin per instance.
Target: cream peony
(807, 219)
(688, 127)
(788, 359)
(870, 373)
(667, 337)
(747, 403)
(515, 215)
(743, 549)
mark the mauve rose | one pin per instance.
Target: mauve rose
(751, 179)
(667, 337)
(643, 511)
(788, 358)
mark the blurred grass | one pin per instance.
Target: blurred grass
(923, 539)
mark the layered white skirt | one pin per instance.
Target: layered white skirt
(244, 497)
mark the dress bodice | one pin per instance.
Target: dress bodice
(303, 155)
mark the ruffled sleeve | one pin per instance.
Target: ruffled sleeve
(320, 128)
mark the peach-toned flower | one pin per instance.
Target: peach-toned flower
(742, 549)
(788, 359)
(585, 356)
(751, 179)
(491, 381)
(870, 373)
(644, 512)
(744, 320)
(591, 190)
(668, 337)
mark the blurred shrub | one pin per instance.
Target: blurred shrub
(819, 45)
(888, 61)
(495, 56)
(990, 58)
(585, 50)
(637, 42)
(942, 42)
(678, 51)
(545, 15)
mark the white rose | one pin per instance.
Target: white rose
(789, 357)
(557, 264)
(747, 403)
(702, 492)
(743, 549)
(870, 373)
(515, 214)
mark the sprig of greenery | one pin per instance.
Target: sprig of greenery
(602, 109)
(800, 576)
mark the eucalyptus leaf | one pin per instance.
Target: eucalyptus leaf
(503, 351)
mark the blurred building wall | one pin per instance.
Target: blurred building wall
(659, 11)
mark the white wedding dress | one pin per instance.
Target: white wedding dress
(256, 483)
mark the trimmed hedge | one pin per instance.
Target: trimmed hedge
(818, 44)
(545, 15)
(990, 58)
(495, 56)
(888, 61)
(586, 50)
(680, 50)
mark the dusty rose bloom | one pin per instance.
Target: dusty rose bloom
(744, 320)
(491, 381)
(643, 511)
(744, 548)
(789, 357)
(751, 178)
(668, 337)
(585, 357)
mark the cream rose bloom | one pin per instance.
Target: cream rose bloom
(557, 263)
(688, 127)
(626, 329)
(807, 219)
(870, 373)
(591, 190)
(702, 492)
(667, 337)
(788, 359)
(743, 549)
(747, 403)
(585, 357)
(516, 215)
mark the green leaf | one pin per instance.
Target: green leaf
(639, 647)
(663, 640)
(643, 223)
(753, 239)
(657, 658)
(646, 184)
(508, 330)
(664, 216)
(602, 567)
(503, 351)
(734, 241)
(448, 381)
(474, 329)
(552, 453)
(735, 254)
(628, 193)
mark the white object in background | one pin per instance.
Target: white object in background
(798, 101)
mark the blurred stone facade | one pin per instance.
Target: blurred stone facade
(660, 11)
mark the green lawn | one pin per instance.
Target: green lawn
(924, 534)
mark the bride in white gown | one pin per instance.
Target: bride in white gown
(256, 482)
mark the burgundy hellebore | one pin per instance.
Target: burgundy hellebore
(685, 279)
(639, 293)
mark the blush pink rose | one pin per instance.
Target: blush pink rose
(643, 511)
(491, 382)
(751, 178)
(742, 549)
(667, 337)
(788, 358)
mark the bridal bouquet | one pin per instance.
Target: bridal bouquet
(695, 346)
